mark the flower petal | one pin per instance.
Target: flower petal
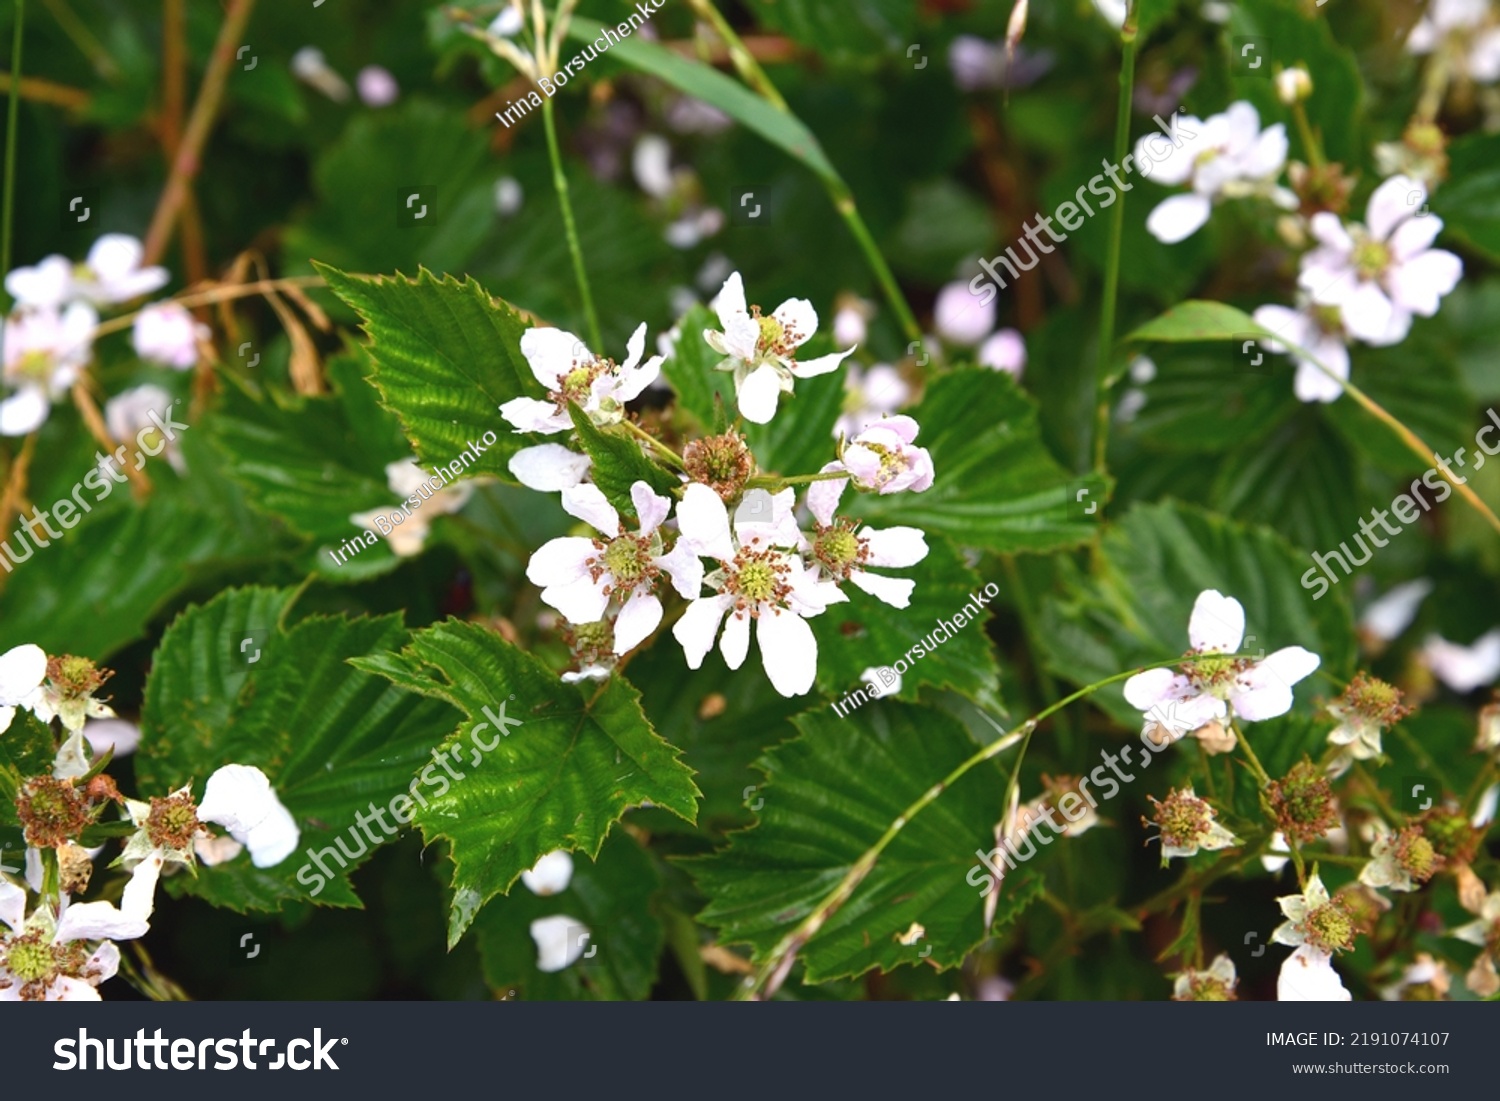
(531, 415)
(1393, 202)
(98, 921)
(548, 467)
(580, 601)
(1420, 283)
(734, 644)
(821, 365)
(560, 561)
(684, 568)
(798, 318)
(637, 619)
(699, 626)
(704, 522)
(1307, 975)
(588, 503)
(552, 353)
(651, 507)
(895, 591)
(22, 670)
(788, 651)
(730, 303)
(1179, 217)
(759, 393)
(897, 547)
(1217, 624)
(823, 497)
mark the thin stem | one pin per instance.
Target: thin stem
(560, 185)
(218, 294)
(1107, 309)
(1413, 442)
(843, 199)
(767, 481)
(12, 116)
(1310, 141)
(769, 976)
(79, 34)
(189, 154)
(666, 451)
(1029, 626)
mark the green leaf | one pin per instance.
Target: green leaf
(781, 129)
(27, 749)
(799, 439)
(618, 463)
(854, 31)
(1469, 203)
(1293, 33)
(316, 461)
(609, 896)
(832, 793)
(581, 756)
(996, 486)
(1153, 564)
(334, 741)
(447, 356)
(867, 632)
(1197, 320)
(689, 370)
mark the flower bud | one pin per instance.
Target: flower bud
(1293, 85)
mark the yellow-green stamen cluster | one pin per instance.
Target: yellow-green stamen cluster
(757, 578)
(777, 341)
(173, 821)
(51, 811)
(1416, 855)
(1302, 802)
(838, 550)
(1450, 833)
(627, 560)
(1213, 672)
(1372, 699)
(1330, 927)
(1182, 818)
(75, 678)
(1371, 258)
(1203, 987)
(723, 463)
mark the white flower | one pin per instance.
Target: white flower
(1386, 618)
(1188, 825)
(560, 941)
(1313, 918)
(579, 577)
(1458, 27)
(1206, 691)
(508, 23)
(128, 414)
(1004, 351)
(1485, 926)
(22, 671)
(870, 395)
(377, 87)
(44, 355)
(408, 480)
(762, 351)
(1307, 975)
(844, 551)
(571, 373)
(851, 321)
(112, 274)
(959, 316)
(883, 458)
(548, 467)
(36, 961)
(551, 875)
(1399, 861)
(68, 694)
(1214, 985)
(240, 798)
(1381, 273)
(1464, 668)
(167, 333)
(1227, 156)
(1426, 973)
(759, 579)
(1318, 331)
(651, 163)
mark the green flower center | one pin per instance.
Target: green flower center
(1329, 927)
(1213, 673)
(1416, 856)
(1183, 819)
(839, 550)
(757, 581)
(172, 822)
(1206, 989)
(51, 811)
(771, 332)
(628, 559)
(34, 365)
(576, 383)
(1371, 258)
(29, 960)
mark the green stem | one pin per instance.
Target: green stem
(769, 976)
(772, 482)
(13, 110)
(560, 184)
(1309, 139)
(1029, 626)
(656, 444)
(843, 199)
(1108, 308)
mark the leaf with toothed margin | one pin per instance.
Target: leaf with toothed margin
(618, 463)
(228, 686)
(571, 761)
(832, 793)
(446, 356)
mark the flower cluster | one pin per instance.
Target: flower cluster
(48, 339)
(56, 948)
(730, 541)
